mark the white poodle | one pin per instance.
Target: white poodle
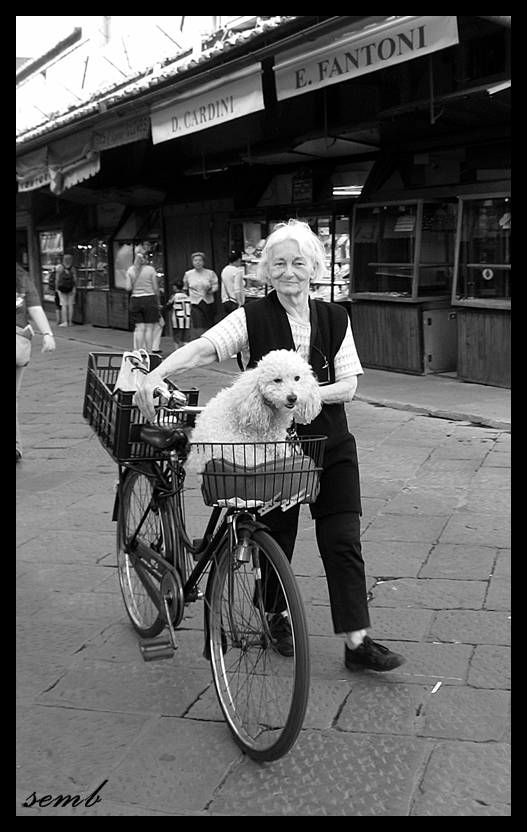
(258, 407)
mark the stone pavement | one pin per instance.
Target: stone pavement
(429, 739)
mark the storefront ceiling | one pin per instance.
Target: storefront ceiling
(136, 196)
(226, 146)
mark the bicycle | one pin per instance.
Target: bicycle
(262, 693)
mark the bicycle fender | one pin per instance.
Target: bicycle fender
(115, 512)
(248, 523)
(117, 501)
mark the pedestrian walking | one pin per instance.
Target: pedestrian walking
(288, 319)
(66, 285)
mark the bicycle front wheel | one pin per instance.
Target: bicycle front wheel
(262, 692)
(140, 580)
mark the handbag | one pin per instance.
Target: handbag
(23, 345)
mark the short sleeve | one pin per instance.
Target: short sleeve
(229, 336)
(347, 361)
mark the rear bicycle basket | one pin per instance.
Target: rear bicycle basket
(260, 474)
(114, 417)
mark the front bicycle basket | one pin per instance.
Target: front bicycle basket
(113, 415)
(264, 475)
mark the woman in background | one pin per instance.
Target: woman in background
(201, 284)
(141, 281)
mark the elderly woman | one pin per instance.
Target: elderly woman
(200, 284)
(287, 319)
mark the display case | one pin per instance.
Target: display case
(248, 236)
(404, 250)
(483, 252)
(91, 263)
(333, 233)
(51, 251)
(401, 284)
(482, 289)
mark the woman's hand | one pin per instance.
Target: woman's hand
(48, 342)
(144, 398)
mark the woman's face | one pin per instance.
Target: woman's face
(198, 261)
(289, 270)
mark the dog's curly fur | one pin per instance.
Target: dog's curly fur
(258, 407)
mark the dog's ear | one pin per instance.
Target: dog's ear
(248, 401)
(310, 406)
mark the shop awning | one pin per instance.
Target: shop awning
(60, 165)
(32, 170)
(72, 160)
(353, 53)
(220, 101)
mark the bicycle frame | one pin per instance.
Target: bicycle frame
(233, 522)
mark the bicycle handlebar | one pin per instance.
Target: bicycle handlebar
(175, 402)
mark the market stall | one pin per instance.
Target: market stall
(482, 288)
(402, 271)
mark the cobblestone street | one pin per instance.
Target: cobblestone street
(429, 739)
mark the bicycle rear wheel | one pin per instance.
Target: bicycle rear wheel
(140, 580)
(263, 694)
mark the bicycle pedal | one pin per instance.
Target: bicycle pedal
(155, 649)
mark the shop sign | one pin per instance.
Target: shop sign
(302, 187)
(356, 53)
(118, 134)
(221, 101)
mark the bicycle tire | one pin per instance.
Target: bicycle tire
(263, 694)
(157, 532)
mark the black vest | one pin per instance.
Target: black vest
(268, 329)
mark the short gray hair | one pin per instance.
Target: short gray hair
(308, 243)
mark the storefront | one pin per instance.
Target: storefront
(431, 276)
(482, 288)
(414, 109)
(403, 264)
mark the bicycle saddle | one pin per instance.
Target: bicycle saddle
(164, 438)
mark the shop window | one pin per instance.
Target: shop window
(483, 270)
(333, 232)
(404, 250)
(249, 238)
(124, 252)
(91, 262)
(51, 250)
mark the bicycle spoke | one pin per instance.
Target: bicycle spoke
(144, 527)
(263, 694)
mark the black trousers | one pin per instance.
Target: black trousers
(338, 539)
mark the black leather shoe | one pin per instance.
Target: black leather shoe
(282, 635)
(372, 656)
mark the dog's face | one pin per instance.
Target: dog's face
(286, 383)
